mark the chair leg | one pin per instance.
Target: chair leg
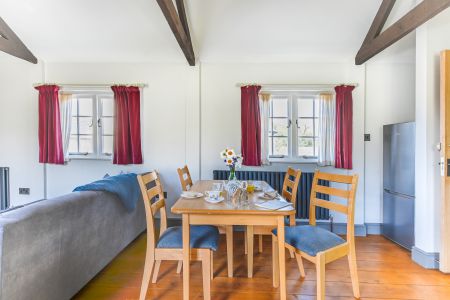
(298, 257)
(353, 271)
(148, 267)
(206, 266)
(320, 270)
(155, 271)
(229, 237)
(245, 242)
(291, 253)
(275, 267)
(260, 248)
(179, 266)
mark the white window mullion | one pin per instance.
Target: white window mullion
(294, 137)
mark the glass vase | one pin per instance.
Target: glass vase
(232, 176)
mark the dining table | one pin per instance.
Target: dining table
(200, 212)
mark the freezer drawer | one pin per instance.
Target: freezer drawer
(398, 218)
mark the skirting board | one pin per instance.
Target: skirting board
(428, 260)
(338, 228)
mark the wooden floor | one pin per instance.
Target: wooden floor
(385, 271)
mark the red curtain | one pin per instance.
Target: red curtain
(250, 126)
(344, 127)
(127, 127)
(50, 136)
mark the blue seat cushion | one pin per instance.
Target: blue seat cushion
(202, 236)
(310, 239)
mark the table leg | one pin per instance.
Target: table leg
(229, 236)
(281, 257)
(250, 251)
(186, 256)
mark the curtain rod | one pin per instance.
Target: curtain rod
(91, 85)
(297, 85)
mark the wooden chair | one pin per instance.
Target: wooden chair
(289, 192)
(185, 178)
(168, 246)
(318, 245)
(186, 184)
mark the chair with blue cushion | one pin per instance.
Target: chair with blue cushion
(318, 245)
(204, 239)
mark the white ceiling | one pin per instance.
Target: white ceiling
(222, 30)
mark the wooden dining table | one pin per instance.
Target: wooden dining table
(200, 212)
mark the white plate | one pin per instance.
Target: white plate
(191, 195)
(218, 200)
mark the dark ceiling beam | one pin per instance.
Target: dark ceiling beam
(11, 44)
(177, 21)
(373, 45)
(379, 21)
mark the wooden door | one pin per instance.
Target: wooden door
(445, 160)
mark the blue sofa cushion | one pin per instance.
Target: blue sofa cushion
(202, 236)
(311, 239)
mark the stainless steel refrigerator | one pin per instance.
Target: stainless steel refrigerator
(398, 183)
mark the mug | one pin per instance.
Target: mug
(213, 194)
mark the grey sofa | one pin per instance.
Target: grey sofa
(50, 249)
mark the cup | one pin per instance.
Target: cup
(217, 186)
(214, 195)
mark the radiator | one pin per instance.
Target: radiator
(275, 180)
(4, 188)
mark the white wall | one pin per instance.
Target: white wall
(220, 106)
(432, 38)
(18, 127)
(167, 122)
(171, 119)
(390, 98)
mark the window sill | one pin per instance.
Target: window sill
(293, 160)
(89, 158)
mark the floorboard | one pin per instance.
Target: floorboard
(386, 271)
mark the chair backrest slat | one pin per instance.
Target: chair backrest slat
(185, 178)
(332, 191)
(291, 193)
(331, 205)
(155, 192)
(348, 194)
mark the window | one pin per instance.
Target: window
(293, 127)
(91, 133)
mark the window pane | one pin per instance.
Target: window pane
(107, 125)
(107, 107)
(85, 106)
(316, 127)
(270, 146)
(305, 147)
(280, 146)
(85, 125)
(86, 144)
(279, 127)
(279, 107)
(107, 145)
(74, 128)
(73, 144)
(74, 107)
(305, 107)
(305, 127)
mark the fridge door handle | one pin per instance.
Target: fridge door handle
(398, 194)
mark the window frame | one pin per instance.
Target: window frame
(97, 129)
(293, 138)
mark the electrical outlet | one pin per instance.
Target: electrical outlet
(24, 191)
(366, 137)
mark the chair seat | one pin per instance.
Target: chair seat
(201, 237)
(310, 239)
